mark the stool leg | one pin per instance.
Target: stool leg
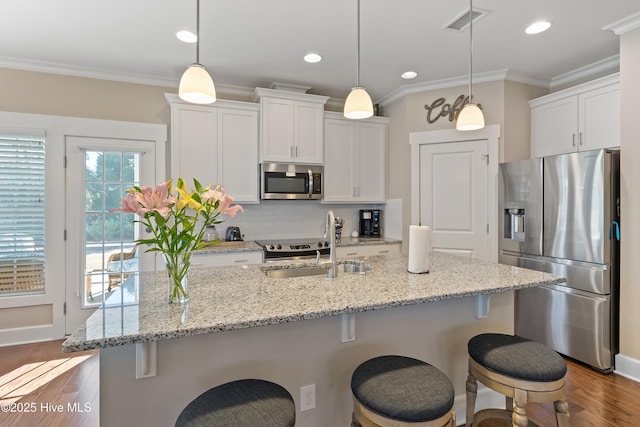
(562, 412)
(354, 420)
(472, 393)
(519, 415)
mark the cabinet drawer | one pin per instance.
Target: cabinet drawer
(225, 259)
(367, 250)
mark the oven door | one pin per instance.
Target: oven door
(283, 181)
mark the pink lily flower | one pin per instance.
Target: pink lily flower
(157, 199)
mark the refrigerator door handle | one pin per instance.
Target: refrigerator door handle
(614, 226)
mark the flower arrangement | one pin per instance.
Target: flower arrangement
(177, 218)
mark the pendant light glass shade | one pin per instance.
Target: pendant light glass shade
(196, 86)
(358, 104)
(470, 118)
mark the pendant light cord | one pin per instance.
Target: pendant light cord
(198, 32)
(470, 46)
(358, 56)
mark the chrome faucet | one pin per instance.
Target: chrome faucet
(331, 264)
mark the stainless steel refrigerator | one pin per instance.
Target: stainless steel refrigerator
(561, 214)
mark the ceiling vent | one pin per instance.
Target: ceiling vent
(461, 21)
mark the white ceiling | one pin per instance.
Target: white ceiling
(252, 43)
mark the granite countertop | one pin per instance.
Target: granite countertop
(237, 297)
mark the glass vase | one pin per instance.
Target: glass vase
(177, 265)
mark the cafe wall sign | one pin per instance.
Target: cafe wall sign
(440, 108)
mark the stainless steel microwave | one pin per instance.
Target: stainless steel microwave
(289, 181)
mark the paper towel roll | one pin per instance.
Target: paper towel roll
(419, 248)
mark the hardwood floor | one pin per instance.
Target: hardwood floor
(41, 386)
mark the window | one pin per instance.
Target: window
(22, 215)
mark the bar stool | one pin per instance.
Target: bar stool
(523, 371)
(247, 402)
(401, 391)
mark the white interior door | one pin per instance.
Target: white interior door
(454, 189)
(103, 261)
(453, 196)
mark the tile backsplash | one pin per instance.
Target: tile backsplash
(291, 219)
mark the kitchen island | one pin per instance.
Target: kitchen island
(295, 331)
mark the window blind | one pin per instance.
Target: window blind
(22, 214)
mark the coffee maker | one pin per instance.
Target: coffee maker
(370, 222)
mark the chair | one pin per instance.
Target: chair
(401, 391)
(523, 371)
(118, 259)
(247, 402)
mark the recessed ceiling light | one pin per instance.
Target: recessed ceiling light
(186, 36)
(312, 58)
(409, 75)
(538, 27)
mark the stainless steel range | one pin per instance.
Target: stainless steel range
(293, 248)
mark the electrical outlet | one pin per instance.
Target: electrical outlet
(307, 397)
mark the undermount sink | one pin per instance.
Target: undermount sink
(354, 266)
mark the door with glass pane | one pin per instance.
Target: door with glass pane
(103, 260)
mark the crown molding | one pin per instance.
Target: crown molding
(487, 77)
(605, 66)
(86, 72)
(624, 25)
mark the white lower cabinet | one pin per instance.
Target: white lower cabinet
(210, 259)
(216, 144)
(367, 250)
(355, 159)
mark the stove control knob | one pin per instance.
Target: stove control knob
(326, 244)
(319, 244)
(279, 247)
(271, 247)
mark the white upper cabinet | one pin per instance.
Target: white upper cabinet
(216, 144)
(291, 126)
(355, 159)
(585, 117)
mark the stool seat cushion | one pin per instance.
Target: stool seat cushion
(517, 357)
(247, 402)
(402, 388)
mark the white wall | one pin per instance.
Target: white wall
(630, 201)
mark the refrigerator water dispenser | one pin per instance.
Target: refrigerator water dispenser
(514, 224)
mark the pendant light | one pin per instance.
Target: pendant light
(470, 117)
(196, 85)
(358, 104)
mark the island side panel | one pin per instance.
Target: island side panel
(293, 355)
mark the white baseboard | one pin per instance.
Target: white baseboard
(486, 398)
(627, 367)
(27, 335)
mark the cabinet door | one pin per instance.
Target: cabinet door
(309, 119)
(554, 127)
(238, 153)
(600, 118)
(193, 144)
(340, 149)
(277, 129)
(371, 162)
